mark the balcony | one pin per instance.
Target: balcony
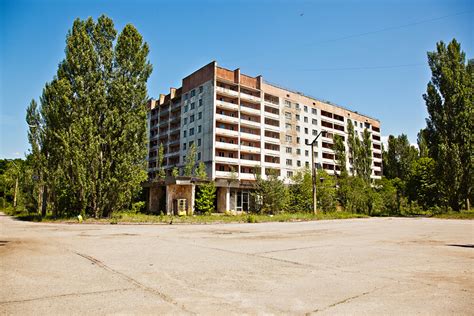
(226, 132)
(249, 97)
(227, 119)
(244, 134)
(227, 146)
(249, 110)
(227, 91)
(246, 176)
(244, 121)
(250, 149)
(224, 174)
(227, 105)
(272, 164)
(226, 160)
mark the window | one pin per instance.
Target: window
(288, 138)
(289, 174)
(306, 109)
(200, 102)
(288, 150)
(298, 151)
(306, 164)
(288, 126)
(315, 132)
(199, 115)
(298, 163)
(288, 104)
(186, 108)
(191, 118)
(315, 122)
(193, 105)
(297, 128)
(199, 142)
(191, 131)
(184, 146)
(185, 96)
(185, 121)
(297, 106)
(306, 119)
(199, 129)
(297, 140)
(184, 134)
(297, 117)
(288, 115)
(306, 153)
(199, 156)
(313, 111)
(193, 93)
(191, 143)
(306, 130)
(289, 162)
(201, 89)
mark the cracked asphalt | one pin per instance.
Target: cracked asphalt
(389, 266)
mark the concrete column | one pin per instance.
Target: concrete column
(223, 199)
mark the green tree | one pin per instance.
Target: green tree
(90, 131)
(421, 184)
(364, 166)
(190, 161)
(205, 198)
(326, 192)
(200, 171)
(301, 192)
(449, 101)
(340, 154)
(422, 144)
(270, 194)
(399, 157)
(161, 174)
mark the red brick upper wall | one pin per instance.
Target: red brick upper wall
(249, 81)
(225, 74)
(199, 77)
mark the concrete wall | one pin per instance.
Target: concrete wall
(157, 199)
(175, 191)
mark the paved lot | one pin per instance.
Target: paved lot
(362, 266)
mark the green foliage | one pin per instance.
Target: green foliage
(175, 172)
(326, 192)
(360, 152)
(271, 194)
(88, 138)
(301, 192)
(200, 171)
(205, 198)
(421, 185)
(340, 154)
(450, 105)
(399, 157)
(161, 174)
(190, 161)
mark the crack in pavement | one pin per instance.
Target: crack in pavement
(343, 301)
(66, 295)
(142, 286)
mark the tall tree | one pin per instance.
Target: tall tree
(399, 157)
(190, 161)
(449, 101)
(92, 120)
(340, 154)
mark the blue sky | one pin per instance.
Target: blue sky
(369, 56)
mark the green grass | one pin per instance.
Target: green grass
(456, 215)
(140, 218)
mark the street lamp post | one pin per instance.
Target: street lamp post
(314, 171)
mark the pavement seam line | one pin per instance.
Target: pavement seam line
(163, 296)
(66, 295)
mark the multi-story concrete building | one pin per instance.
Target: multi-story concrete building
(239, 123)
